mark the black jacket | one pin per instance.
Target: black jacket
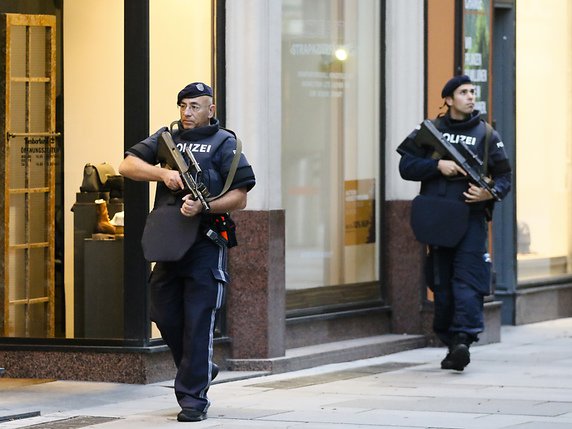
(417, 162)
(213, 147)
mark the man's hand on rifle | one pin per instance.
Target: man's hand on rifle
(476, 194)
(172, 179)
(191, 207)
(449, 168)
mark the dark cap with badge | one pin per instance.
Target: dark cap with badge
(193, 90)
(453, 84)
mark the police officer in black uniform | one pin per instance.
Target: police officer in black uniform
(186, 294)
(459, 273)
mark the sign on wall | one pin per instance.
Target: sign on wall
(477, 29)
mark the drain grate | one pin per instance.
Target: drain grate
(73, 422)
(329, 377)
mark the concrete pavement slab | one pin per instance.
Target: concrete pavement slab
(524, 382)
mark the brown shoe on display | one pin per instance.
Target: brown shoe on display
(104, 230)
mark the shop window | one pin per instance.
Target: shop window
(79, 293)
(544, 139)
(330, 151)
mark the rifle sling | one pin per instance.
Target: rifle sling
(487, 138)
(231, 171)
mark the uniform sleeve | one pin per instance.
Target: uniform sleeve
(415, 163)
(499, 166)
(147, 149)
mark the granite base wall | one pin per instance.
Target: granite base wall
(319, 329)
(537, 304)
(149, 365)
(404, 258)
(113, 367)
(256, 296)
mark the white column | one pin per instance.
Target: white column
(404, 87)
(253, 82)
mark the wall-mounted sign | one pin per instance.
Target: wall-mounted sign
(477, 49)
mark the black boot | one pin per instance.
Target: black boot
(459, 356)
(115, 183)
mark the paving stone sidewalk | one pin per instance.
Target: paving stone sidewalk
(523, 382)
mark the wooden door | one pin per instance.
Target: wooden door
(27, 174)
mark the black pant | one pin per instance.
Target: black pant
(460, 278)
(185, 298)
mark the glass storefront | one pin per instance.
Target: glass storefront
(544, 135)
(330, 155)
(331, 173)
(59, 279)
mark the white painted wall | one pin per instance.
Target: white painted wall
(180, 48)
(93, 99)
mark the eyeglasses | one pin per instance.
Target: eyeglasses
(194, 107)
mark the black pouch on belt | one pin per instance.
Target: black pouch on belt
(224, 227)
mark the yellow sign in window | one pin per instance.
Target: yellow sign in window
(359, 212)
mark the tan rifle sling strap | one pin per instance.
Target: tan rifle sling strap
(231, 171)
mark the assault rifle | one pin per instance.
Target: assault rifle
(191, 174)
(429, 135)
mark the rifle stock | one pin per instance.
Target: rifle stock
(429, 135)
(168, 154)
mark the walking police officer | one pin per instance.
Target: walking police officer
(187, 289)
(458, 267)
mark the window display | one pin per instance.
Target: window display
(330, 141)
(544, 136)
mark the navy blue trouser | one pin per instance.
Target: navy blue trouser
(460, 279)
(185, 298)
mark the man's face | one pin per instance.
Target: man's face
(462, 102)
(196, 112)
